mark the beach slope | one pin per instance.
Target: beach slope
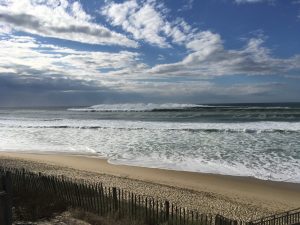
(235, 197)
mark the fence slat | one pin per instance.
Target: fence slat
(113, 201)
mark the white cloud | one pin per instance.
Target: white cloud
(204, 44)
(29, 62)
(209, 58)
(26, 56)
(5, 29)
(147, 21)
(187, 6)
(58, 19)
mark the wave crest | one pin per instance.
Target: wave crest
(246, 127)
(140, 107)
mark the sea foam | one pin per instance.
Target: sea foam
(249, 127)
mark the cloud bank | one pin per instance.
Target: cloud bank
(210, 58)
(58, 19)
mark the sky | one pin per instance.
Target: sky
(66, 52)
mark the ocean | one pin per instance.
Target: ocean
(257, 140)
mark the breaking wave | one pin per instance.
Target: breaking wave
(141, 107)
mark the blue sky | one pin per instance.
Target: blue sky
(61, 52)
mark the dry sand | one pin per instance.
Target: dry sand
(235, 197)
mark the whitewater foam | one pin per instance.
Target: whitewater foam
(147, 107)
(117, 124)
(141, 107)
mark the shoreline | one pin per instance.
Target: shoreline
(243, 194)
(108, 161)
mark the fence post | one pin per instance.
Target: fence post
(3, 203)
(167, 205)
(217, 220)
(23, 180)
(7, 198)
(115, 198)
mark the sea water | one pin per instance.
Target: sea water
(258, 140)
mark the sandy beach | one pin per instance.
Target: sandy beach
(235, 197)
